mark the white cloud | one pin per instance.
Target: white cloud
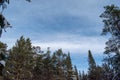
(74, 44)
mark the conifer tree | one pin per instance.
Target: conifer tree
(60, 64)
(38, 61)
(92, 67)
(48, 72)
(80, 75)
(19, 65)
(107, 72)
(69, 66)
(84, 76)
(111, 20)
(76, 73)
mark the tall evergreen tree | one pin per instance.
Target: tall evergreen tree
(68, 63)
(38, 70)
(92, 67)
(60, 59)
(111, 20)
(48, 72)
(92, 63)
(19, 65)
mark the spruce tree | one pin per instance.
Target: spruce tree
(19, 65)
(92, 67)
(69, 66)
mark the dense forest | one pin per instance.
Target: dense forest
(31, 63)
(25, 61)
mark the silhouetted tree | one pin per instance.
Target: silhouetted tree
(76, 73)
(84, 76)
(92, 67)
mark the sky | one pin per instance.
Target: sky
(73, 25)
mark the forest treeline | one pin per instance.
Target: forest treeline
(27, 62)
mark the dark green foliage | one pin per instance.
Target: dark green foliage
(69, 66)
(107, 72)
(84, 76)
(92, 67)
(20, 63)
(38, 70)
(53, 66)
(76, 73)
(68, 62)
(3, 50)
(59, 64)
(94, 71)
(31, 63)
(111, 20)
(47, 61)
(91, 61)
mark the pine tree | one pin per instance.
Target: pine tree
(111, 20)
(19, 65)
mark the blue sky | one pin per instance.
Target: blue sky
(73, 25)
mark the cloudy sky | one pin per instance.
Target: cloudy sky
(73, 25)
